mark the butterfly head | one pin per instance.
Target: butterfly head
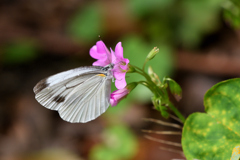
(108, 67)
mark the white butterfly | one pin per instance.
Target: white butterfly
(79, 95)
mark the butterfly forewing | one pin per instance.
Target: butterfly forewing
(80, 94)
(61, 77)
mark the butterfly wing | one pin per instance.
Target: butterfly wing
(73, 91)
(61, 77)
(87, 101)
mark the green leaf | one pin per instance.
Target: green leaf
(174, 87)
(214, 134)
(236, 153)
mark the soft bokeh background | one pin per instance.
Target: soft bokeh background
(198, 44)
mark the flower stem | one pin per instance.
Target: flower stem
(176, 112)
(143, 73)
(146, 84)
(144, 64)
(158, 92)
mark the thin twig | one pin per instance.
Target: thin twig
(175, 118)
(163, 141)
(163, 123)
(172, 150)
(162, 132)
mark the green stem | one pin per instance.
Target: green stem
(176, 112)
(144, 64)
(146, 84)
(143, 73)
(158, 91)
(150, 82)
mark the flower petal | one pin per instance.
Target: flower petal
(95, 54)
(101, 48)
(119, 75)
(124, 68)
(113, 102)
(120, 84)
(120, 81)
(113, 56)
(126, 60)
(100, 63)
(117, 95)
(101, 53)
(119, 50)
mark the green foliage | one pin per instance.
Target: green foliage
(177, 22)
(86, 24)
(19, 52)
(164, 112)
(158, 105)
(135, 49)
(232, 12)
(199, 17)
(118, 143)
(214, 134)
(143, 8)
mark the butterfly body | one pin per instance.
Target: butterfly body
(79, 95)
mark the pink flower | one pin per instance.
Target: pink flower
(101, 53)
(120, 66)
(118, 95)
(104, 57)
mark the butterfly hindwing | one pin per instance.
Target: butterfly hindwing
(87, 102)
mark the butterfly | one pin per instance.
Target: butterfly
(79, 95)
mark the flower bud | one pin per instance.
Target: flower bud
(131, 86)
(119, 94)
(150, 71)
(154, 77)
(152, 53)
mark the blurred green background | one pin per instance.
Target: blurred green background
(198, 46)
